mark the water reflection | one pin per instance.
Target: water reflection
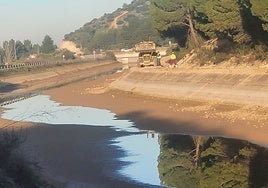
(41, 109)
(142, 155)
(194, 161)
(158, 159)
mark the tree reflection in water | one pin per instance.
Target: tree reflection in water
(195, 161)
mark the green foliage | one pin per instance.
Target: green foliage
(48, 46)
(110, 55)
(167, 14)
(176, 15)
(169, 18)
(225, 174)
(132, 27)
(29, 47)
(223, 162)
(21, 50)
(14, 170)
(9, 51)
(2, 53)
(241, 50)
(176, 168)
(260, 9)
(65, 54)
(242, 22)
(208, 57)
(36, 49)
(261, 52)
(13, 51)
(221, 19)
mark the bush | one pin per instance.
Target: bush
(63, 54)
(67, 55)
(110, 55)
(261, 52)
(15, 171)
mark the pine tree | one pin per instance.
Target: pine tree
(48, 46)
(222, 19)
(178, 14)
(9, 51)
(260, 9)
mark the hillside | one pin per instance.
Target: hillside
(122, 28)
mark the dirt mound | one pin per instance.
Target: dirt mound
(71, 46)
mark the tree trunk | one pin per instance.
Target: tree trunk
(9, 54)
(198, 144)
(193, 38)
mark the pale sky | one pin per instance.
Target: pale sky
(33, 19)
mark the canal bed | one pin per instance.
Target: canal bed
(140, 157)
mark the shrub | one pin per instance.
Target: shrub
(15, 170)
(110, 55)
(261, 52)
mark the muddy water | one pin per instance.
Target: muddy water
(154, 158)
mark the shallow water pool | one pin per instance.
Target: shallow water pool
(158, 159)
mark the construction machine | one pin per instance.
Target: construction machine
(147, 53)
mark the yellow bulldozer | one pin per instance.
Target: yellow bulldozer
(147, 53)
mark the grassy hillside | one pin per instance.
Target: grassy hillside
(121, 29)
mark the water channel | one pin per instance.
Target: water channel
(159, 159)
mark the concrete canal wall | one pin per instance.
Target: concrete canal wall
(235, 86)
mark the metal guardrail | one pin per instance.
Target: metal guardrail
(22, 65)
(19, 98)
(42, 63)
(36, 64)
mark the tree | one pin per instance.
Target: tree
(28, 45)
(1, 55)
(67, 55)
(36, 49)
(221, 19)
(176, 167)
(178, 14)
(48, 46)
(260, 9)
(21, 50)
(222, 162)
(9, 51)
(239, 21)
(132, 27)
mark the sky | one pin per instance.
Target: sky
(33, 19)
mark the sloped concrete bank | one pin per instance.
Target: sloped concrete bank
(244, 86)
(14, 88)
